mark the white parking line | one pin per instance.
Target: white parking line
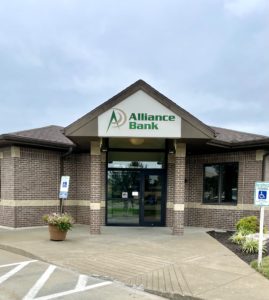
(82, 282)
(20, 266)
(40, 283)
(53, 296)
(81, 285)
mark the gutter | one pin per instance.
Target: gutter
(263, 165)
(11, 139)
(239, 145)
(62, 157)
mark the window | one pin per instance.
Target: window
(220, 183)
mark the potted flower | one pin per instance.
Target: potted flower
(59, 224)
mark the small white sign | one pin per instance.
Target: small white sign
(64, 187)
(261, 196)
(135, 194)
(124, 195)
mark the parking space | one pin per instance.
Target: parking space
(27, 279)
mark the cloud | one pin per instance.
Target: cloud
(63, 58)
(243, 8)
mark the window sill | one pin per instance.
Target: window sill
(220, 204)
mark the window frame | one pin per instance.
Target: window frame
(220, 183)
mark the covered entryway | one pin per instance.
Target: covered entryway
(137, 143)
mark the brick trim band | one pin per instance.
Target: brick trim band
(178, 207)
(15, 203)
(239, 206)
(95, 206)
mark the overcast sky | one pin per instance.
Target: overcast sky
(60, 59)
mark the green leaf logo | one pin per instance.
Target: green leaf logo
(117, 119)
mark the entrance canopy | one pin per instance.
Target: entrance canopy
(139, 111)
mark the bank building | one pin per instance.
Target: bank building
(138, 159)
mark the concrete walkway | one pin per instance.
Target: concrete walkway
(151, 258)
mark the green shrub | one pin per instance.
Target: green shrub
(248, 225)
(238, 238)
(251, 246)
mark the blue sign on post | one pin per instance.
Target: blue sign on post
(261, 193)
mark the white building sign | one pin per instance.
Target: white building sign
(139, 116)
(64, 187)
(261, 196)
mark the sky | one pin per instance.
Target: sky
(60, 59)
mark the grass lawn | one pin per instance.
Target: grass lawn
(264, 270)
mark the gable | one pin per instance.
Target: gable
(139, 111)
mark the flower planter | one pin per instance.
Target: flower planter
(56, 234)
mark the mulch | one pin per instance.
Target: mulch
(223, 238)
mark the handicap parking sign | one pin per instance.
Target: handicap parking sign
(261, 192)
(262, 195)
(64, 187)
(64, 184)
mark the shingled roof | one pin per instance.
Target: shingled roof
(233, 137)
(50, 135)
(54, 136)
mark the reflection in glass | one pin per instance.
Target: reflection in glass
(136, 160)
(229, 183)
(152, 198)
(211, 184)
(123, 192)
(220, 183)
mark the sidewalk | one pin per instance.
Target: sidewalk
(150, 258)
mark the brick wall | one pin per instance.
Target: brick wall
(216, 218)
(83, 176)
(7, 216)
(250, 170)
(83, 215)
(7, 175)
(36, 174)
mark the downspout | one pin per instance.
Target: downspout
(62, 157)
(263, 165)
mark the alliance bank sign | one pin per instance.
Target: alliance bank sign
(137, 121)
(129, 119)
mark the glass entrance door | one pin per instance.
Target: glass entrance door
(135, 197)
(123, 197)
(152, 200)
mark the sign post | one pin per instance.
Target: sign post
(261, 198)
(64, 187)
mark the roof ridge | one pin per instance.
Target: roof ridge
(32, 129)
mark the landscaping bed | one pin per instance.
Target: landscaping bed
(223, 238)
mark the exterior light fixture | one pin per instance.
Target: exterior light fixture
(136, 141)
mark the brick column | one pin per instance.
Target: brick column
(179, 189)
(95, 191)
(103, 188)
(170, 189)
